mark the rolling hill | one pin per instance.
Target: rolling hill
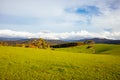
(99, 49)
(17, 63)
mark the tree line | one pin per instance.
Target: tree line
(70, 44)
(89, 43)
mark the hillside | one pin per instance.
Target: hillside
(99, 49)
(13, 41)
(107, 49)
(102, 40)
(17, 63)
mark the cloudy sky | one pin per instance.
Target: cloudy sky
(60, 19)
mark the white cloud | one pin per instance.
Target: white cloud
(66, 35)
(51, 14)
(35, 8)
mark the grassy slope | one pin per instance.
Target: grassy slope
(77, 49)
(38, 64)
(99, 49)
(107, 49)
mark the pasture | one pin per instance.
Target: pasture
(17, 63)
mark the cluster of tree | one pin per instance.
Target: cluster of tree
(90, 43)
(39, 43)
(71, 44)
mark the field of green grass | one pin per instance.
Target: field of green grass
(108, 49)
(99, 49)
(17, 63)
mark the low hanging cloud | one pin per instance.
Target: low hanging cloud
(60, 36)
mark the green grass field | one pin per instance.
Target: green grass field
(17, 63)
(99, 49)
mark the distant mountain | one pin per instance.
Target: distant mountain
(97, 40)
(53, 42)
(9, 39)
(23, 40)
(49, 41)
(102, 40)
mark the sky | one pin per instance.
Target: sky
(60, 19)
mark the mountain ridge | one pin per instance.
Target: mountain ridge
(53, 41)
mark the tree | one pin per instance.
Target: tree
(40, 43)
(90, 44)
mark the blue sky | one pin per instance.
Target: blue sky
(61, 16)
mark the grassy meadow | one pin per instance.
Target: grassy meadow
(74, 63)
(98, 48)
